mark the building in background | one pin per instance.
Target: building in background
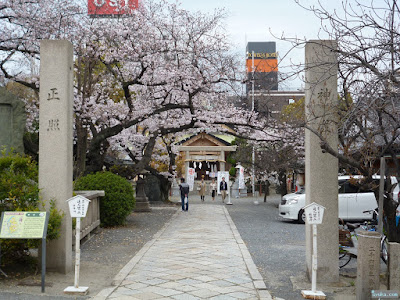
(270, 104)
(262, 86)
(261, 67)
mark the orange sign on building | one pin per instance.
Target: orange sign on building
(262, 65)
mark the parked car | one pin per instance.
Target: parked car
(352, 202)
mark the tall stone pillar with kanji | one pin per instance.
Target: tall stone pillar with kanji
(56, 142)
(321, 103)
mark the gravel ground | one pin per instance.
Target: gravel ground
(102, 257)
(277, 247)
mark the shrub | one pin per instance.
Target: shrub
(232, 173)
(18, 183)
(118, 201)
(19, 191)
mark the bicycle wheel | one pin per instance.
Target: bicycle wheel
(384, 249)
(344, 258)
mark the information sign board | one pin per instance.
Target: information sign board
(23, 225)
(242, 184)
(78, 206)
(26, 225)
(190, 178)
(314, 213)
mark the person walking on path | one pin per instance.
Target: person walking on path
(213, 188)
(184, 188)
(223, 187)
(202, 190)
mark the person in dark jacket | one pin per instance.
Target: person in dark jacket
(223, 187)
(184, 188)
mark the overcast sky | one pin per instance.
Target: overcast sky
(255, 20)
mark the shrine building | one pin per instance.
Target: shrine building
(206, 153)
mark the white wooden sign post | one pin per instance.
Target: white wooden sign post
(78, 206)
(229, 193)
(314, 215)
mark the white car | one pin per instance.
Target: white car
(352, 203)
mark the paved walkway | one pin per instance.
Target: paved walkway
(199, 254)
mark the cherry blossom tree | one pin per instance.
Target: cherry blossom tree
(158, 71)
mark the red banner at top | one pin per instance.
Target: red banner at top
(111, 7)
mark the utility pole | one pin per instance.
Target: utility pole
(253, 156)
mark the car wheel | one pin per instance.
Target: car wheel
(302, 217)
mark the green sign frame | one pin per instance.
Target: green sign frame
(23, 225)
(26, 225)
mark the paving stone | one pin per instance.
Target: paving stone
(135, 285)
(167, 292)
(238, 280)
(146, 296)
(204, 293)
(185, 288)
(205, 278)
(125, 291)
(205, 259)
(222, 297)
(172, 277)
(265, 295)
(223, 283)
(240, 295)
(204, 285)
(260, 285)
(170, 285)
(122, 297)
(189, 281)
(185, 297)
(153, 281)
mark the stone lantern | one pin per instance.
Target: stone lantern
(142, 202)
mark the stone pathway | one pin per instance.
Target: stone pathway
(199, 254)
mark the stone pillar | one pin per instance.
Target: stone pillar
(142, 202)
(222, 161)
(368, 264)
(55, 143)
(322, 168)
(394, 266)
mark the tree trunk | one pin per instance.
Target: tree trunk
(282, 188)
(266, 190)
(95, 157)
(80, 149)
(391, 229)
(31, 145)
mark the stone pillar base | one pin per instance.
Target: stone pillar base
(142, 205)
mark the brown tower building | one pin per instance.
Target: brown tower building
(261, 66)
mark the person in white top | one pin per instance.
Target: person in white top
(213, 188)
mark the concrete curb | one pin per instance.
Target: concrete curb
(124, 272)
(255, 275)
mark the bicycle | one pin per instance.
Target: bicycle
(371, 226)
(348, 237)
(346, 245)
